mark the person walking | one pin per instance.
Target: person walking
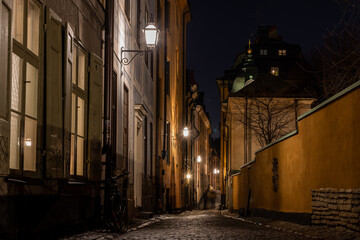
(212, 196)
(204, 198)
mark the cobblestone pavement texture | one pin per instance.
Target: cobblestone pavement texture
(215, 224)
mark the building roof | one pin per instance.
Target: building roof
(251, 75)
(268, 85)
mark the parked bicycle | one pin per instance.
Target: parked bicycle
(118, 206)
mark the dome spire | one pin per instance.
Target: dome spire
(249, 50)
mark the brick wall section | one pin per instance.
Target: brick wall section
(338, 208)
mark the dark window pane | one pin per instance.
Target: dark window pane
(127, 9)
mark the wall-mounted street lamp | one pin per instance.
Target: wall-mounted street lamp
(199, 159)
(188, 176)
(151, 39)
(216, 171)
(186, 132)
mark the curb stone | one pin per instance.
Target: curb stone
(266, 225)
(312, 232)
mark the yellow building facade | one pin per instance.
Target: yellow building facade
(322, 154)
(201, 159)
(172, 19)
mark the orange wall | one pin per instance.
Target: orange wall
(324, 153)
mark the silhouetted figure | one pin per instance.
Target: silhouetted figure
(212, 196)
(204, 198)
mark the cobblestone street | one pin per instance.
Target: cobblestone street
(213, 224)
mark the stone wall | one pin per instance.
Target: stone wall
(338, 208)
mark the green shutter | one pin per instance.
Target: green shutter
(68, 62)
(53, 92)
(95, 116)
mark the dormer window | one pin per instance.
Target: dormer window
(282, 52)
(263, 52)
(274, 71)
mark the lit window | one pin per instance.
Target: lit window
(282, 52)
(18, 21)
(275, 71)
(33, 23)
(24, 84)
(78, 112)
(263, 52)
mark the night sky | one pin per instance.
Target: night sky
(218, 30)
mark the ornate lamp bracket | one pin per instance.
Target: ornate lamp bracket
(127, 61)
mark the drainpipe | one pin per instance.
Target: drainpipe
(157, 161)
(164, 153)
(109, 32)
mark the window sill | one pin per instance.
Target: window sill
(76, 182)
(24, 180)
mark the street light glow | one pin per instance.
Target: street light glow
(216, 171)
(186, 132)
(27, 142)
(188, 176)
(199, 159)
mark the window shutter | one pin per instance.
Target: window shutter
(95, 110)
(4, 81)
(69, 39)
(54, 107)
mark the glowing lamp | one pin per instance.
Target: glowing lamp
(27, 142)
(151, 34)
(186, 132)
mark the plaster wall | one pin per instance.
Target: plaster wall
(324, 153)
(138, 79)
(243, 150)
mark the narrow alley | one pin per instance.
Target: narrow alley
(179, 119)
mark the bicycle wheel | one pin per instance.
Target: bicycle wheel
(118, 214)
(123, 216)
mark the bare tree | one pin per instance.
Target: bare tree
(337, 62)
(269, 118)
